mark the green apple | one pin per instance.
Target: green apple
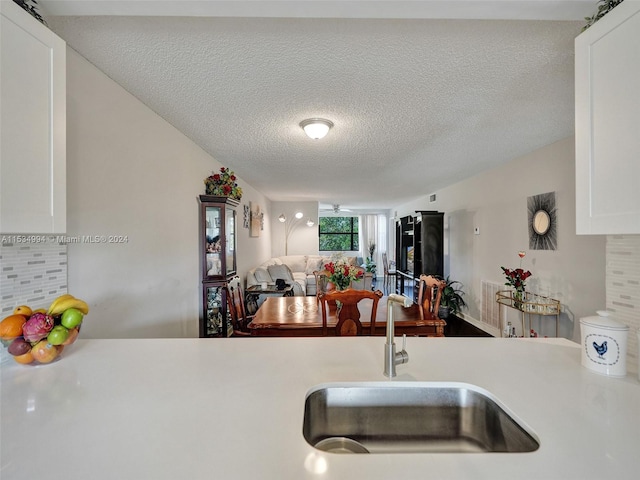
(72, 317)
(58, 335)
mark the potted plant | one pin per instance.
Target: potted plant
(369, 265)
(451, 301)
(31, 6)
(604, 7)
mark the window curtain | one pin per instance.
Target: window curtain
(373, 229)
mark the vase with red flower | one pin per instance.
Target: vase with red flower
(516, 279)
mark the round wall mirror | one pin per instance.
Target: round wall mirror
(541, 222)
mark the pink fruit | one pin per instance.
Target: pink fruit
(37, 327)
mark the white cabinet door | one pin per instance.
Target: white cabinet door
(608, 123)
(32, 125)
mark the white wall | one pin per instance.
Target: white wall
(496, 203)
(131, 173)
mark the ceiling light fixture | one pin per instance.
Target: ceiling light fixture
(316, 128)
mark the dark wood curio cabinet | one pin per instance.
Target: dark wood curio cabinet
(419, 249)
(217, 262)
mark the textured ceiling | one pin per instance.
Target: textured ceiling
(418, 104)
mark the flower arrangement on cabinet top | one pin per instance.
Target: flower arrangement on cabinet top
(223, 184)
(341, 274)
(516, 277)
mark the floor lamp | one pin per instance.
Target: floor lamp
(290, 225)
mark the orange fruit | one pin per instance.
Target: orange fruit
(23, 310)
(25, 358)
(73, 335)
(11, 326)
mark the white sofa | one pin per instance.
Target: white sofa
(297, 270)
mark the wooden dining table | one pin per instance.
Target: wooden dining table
(302, 317)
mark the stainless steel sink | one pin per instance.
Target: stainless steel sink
(408, 417)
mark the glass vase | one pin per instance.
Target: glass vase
(519, 299)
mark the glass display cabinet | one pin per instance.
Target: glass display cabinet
(419, 250)
(217, 262)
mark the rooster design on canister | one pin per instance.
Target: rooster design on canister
(600, 349)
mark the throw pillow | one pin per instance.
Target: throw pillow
(262, 275)
(313, 264)
(280, 271)
(297, 263)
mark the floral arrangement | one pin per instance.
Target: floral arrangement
(516, 278)
(341, 274)
(223, 184)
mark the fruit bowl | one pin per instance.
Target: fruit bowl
(34, 337)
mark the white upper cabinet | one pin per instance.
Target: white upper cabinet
(32, 125)
(608, 123)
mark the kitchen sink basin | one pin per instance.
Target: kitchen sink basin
(403, 417)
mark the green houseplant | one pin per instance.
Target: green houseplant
(369, 264)
(604, 7)
(31, 6)
(451, 301)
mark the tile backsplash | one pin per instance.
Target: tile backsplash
(623, 288)
(32, 274)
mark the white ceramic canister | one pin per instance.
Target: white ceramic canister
(604, 345)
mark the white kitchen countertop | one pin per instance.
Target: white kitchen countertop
(233, 409)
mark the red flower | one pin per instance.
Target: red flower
(341, 274)
(515, 278)
(223, 184)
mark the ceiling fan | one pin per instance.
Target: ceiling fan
(335, 208)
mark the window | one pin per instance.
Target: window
(338, 234)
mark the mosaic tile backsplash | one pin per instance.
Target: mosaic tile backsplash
(32, 274)
(623, 288)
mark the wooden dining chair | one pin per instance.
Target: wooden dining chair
(430, 294)
(322, 278)
(348, 322)
(388, 271)
(235, 301)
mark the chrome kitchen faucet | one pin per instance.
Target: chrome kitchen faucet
(391, 358)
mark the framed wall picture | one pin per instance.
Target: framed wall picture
(247, 215)
(256, 220)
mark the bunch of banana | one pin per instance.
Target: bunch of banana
(63, 302)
